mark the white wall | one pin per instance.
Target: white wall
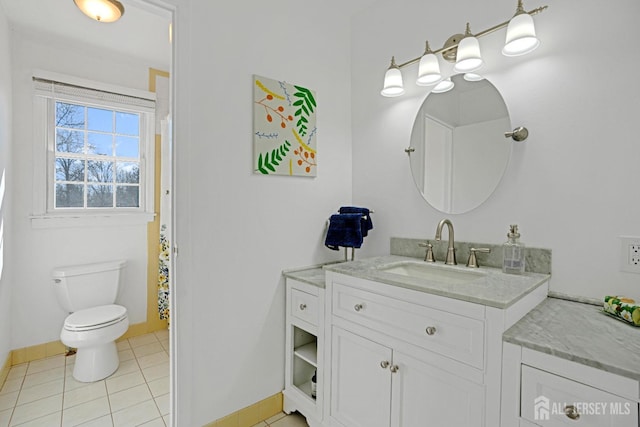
(236, 231)
(5, 191)
(570, 186)
(36, 316)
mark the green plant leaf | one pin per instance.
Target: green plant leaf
(268, 163)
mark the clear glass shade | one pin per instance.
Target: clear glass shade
(444, 86)
(521, 36)
(468, 57)
(428, 70)
(392, 83)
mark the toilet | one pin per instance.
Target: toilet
(88, 292)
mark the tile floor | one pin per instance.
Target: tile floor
(283, 420)
(43, 392)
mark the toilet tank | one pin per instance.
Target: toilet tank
(83, 286)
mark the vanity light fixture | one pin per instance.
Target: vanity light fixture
(464, 50)
(101, 10)
(444, 86)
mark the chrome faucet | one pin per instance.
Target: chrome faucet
(451, 250)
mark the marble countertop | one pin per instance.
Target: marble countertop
(313, 275)
(581, 333)
(493, 288)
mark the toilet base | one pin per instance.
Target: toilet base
(96, 363)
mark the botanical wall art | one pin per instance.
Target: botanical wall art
(284, 128)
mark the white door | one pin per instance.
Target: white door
(360, 381)
(424, 395)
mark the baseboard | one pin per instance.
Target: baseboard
(252, 414)
(4, 371)
(54, 348)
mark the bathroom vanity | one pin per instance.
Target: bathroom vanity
(567, 363)
(398, 341)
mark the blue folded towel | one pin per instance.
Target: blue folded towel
(366, 223)
(344, 230)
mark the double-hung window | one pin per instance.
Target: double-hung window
(98, 149)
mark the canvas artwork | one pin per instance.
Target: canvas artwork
(284, 128)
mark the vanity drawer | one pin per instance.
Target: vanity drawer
(304, 306)
(452, 335)
(545, 397)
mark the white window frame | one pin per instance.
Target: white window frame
(51, 87)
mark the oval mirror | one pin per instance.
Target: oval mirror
(459, 149)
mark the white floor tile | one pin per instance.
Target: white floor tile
(17, 371)
(45, 364)
(37, 409)
(159, 387)
(165, 345)
(11, 385)
(40, 391)
(129, 397)
(153, 359)
(126, 367)
(5, 416)
(142, 340)
(123, 382)
(147, 349)
(135, 415)
(125, 355)
(163, 404)
(293, 420)
(84, 394)
(123, 345)
(105, 421)
(46, 421)
(261, 424)
(85, 412)
(157, 371)
(162, 335)
(158, 422)
(43, 377)
(8, 400)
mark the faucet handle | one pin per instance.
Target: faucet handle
(428, 257)
(473, 261)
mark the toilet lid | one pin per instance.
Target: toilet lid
(95, 317)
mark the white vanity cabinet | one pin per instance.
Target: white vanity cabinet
(304, 350)
(401, 357)
(544, 390)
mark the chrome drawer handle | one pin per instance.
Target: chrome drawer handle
(303, 306)
(431, 330)
(394, 368)
(384, 364)
(571, 412)
(358, 307)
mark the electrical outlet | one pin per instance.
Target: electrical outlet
(630, 254)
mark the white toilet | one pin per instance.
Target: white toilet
(88, 292)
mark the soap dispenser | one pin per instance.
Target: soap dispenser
(513, 252)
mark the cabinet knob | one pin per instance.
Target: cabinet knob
(303, 306)
(571, 412)
(384, 364)
(358, 307)
(431, 330)
(394, 368)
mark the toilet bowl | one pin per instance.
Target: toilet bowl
(88, 292)
(93, 332)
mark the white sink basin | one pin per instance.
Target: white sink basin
(432, 272)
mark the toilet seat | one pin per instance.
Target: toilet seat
(95, 317)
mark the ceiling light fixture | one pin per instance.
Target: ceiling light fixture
(101, 10)
(464, 51)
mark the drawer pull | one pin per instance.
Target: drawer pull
(303, 306)
(571, 412)
(358, 307)
(431, 330)
(394, 368)
(384, 364)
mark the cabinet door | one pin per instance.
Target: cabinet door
(360, 381)
(424, 395)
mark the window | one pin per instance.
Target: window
(96, 155)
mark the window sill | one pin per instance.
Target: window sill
(90, 220)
